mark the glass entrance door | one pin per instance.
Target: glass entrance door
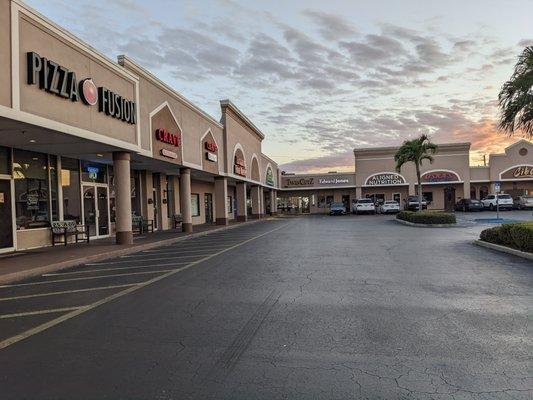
(6, 233)
(208, 203)
(96, 209)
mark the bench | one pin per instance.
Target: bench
(64, 229)
(177, 220)
(141, 225)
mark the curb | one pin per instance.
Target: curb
(401, 221)
(503, 249)
(31, 273)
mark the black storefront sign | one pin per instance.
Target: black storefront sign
(58, 80)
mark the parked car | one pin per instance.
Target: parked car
(389, 206)
(505, 201)
(411, 203)
(523, 202)
(469, 205)
(337, 209)
(362, 206)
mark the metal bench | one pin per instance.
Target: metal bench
(141, 225)
(177, 220)
(64, 229)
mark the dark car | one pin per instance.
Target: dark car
(337, 209)
(469, 205)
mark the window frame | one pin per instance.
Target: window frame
(193, 213)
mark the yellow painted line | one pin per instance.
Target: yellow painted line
(104, 269)
(33, 331)
(39, 312)
(29, 296)
(84, 278)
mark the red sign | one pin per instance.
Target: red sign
(211, 146)
(440, 176)
(168, 153)
(166, 137)
(240, 167)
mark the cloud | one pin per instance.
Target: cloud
(331, 26)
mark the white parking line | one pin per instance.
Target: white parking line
(176, 249)
(29, 296)
(131, 260)
(35, 330)
(39, 312)
(106, 269)
(84, 278)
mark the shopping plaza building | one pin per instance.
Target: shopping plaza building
(445, 181)
(88, 139)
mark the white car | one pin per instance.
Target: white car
(523, 202)
(389, 206)
(362, 206)
(505, 201)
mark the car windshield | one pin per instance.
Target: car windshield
(527, 197)
(504, 196)
(365, 201)
(337, 205)
(391, 202)
(474, 201)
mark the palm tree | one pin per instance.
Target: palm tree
(415, 151)
(516, 97)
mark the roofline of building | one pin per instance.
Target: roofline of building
(387, 148)
(226, 103)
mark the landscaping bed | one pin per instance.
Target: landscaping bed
(427, 217)
(518, 236)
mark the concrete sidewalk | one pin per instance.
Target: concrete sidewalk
(25, 264)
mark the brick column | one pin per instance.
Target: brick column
(121, 169)
(221, 196)
(185, 199)
(242, 212)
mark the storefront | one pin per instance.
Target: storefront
(100, 142)
(445, 181)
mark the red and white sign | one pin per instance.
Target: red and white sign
(168, 154)
(211, 146)
(165, 136)
(239, 167)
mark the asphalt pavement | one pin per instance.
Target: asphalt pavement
(292, 308)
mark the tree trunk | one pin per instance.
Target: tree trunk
(419, 187)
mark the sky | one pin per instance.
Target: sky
(320, 78)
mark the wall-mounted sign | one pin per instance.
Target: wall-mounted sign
(239, 167)
(269, 177)
(211, 146)
(93, 172)
(298, 182)
(385, 178)
(333, 181)
(211, 156)
(166, 137)
(519, 172)
(168, 154)
(56, 79)
(439, 176)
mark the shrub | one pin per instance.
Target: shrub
(517, 235)
(427, 217)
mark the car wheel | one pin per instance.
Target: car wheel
(491, 207)
(464, 208)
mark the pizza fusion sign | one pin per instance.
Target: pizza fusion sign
(439, 177)
(518, 172)
(56, 79)
(385, 179)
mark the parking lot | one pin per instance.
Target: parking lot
(314, 307)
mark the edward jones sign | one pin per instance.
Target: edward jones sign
(385, 179)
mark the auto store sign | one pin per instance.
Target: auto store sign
(385, 179)
(56, 79)
(518, 172)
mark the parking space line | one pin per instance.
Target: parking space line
(49, 324)
(29, 296)
(189, 248)
(104, 269)
(131, 260)
(84, 278)
(202, 252)
(39, 312)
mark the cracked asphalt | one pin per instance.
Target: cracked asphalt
(354, 307)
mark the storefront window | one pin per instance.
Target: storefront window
(93, 172)
(229, 202)
(5, 161)
(195, 204)
(135, 193)
(428, 196)
(70, 182)
(31, 189)
(170, 197)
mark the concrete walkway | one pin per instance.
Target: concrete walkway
(25, 264)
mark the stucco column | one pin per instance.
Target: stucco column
(358, 192)
(255, 194)
(221, 195)
(262, 206)
(185, 197)
(241, 201)
(121, 169)
(412, 188)
(60, 211)
(466, 189)
(176, 193)
(273, 202)
(149, 193)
